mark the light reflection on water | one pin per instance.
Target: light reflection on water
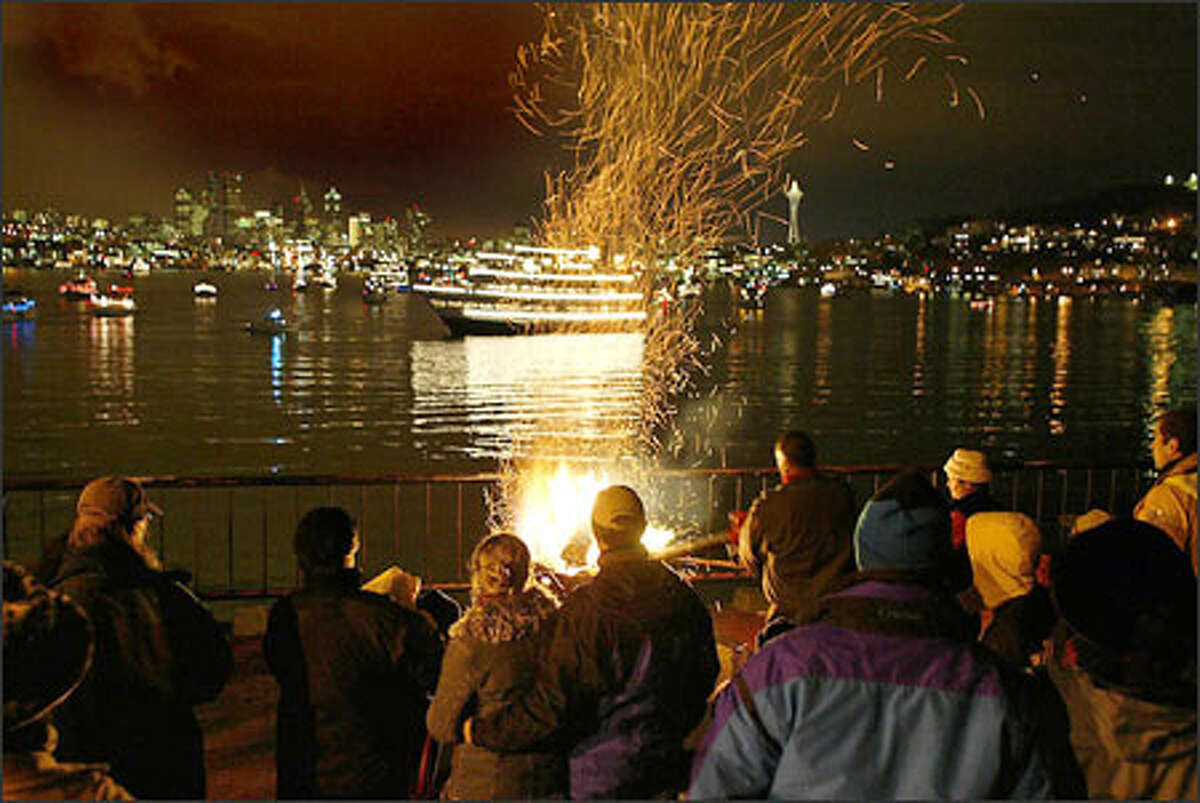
(511, 391)
(181, 388)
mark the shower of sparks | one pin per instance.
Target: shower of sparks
(680, 118)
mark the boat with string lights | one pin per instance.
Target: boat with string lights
(531, 290)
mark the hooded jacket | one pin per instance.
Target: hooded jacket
(626, 676)
(883, 695)
(1004, 549)
(158, 653)
(1170, 505)
(1128, 747)
(491, 659)
(354, 671)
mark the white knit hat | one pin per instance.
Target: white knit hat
(968, 465)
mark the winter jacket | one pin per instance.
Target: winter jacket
(1004, 549)
(354, 670)
(884, 696)
(491, 659)
(158, 653)
(1170, 505)
(798, 535)
(39, 776)
(1128, 747)
(630, 664)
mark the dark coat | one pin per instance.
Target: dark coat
(799, 536)
(1019, 626)
(627, 673)
(158, 653)
(354, 670)
(491, 659)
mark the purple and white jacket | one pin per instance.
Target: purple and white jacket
(881, 698)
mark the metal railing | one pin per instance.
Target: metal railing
(234, 533)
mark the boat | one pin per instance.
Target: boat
(115, 302)
(300, 280)
(81, 288)
(391, 277)
(374, 292)
(273, 323)
(325, 279)
(18, 306)
(829, 290)
(529, 290)
(139, 267)
(204, 290)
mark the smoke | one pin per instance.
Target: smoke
(112, 45)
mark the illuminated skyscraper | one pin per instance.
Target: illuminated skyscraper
(225, 201)
(793, 194)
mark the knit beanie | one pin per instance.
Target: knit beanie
(889, 536)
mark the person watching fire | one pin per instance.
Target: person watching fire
(797, 535)
(627, 673)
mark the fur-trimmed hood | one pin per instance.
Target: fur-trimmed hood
(500, 619)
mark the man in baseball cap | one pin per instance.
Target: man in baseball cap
(632, 653)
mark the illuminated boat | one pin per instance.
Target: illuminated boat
(117, 301)
(532, 290)
(204, 290)
(81, 288)
(374, 291)
(273, 323)
(391, 277)
(18, 306)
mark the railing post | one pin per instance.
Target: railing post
(458, 540)
(229, 584)
(266, 574)
(395, 522)
(362, 537)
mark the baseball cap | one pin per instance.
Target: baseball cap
(118, 497)
(619, 508)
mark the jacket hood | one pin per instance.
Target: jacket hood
(496, 620)
(1003, 548)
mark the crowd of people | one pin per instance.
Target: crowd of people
(922, 646)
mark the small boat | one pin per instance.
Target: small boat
(300, 281)
(116, 302)
(391, 277)
(204, 290)
(374, 292)
(325, 280)
(81, 288)
(829, 290)
(18, 306)
(140, 267)
(273, 323)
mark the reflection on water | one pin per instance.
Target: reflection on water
(110, 366)
(1062, 366)
(181, 388)
(918, 371)
(505, 392)
(277, 368)
(821, 385)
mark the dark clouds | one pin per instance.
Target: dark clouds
(108, 108)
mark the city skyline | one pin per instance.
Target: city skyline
(110, 108)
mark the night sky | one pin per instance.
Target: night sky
(109, 108)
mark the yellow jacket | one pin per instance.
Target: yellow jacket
(1170, 505)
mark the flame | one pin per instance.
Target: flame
(552, 515)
